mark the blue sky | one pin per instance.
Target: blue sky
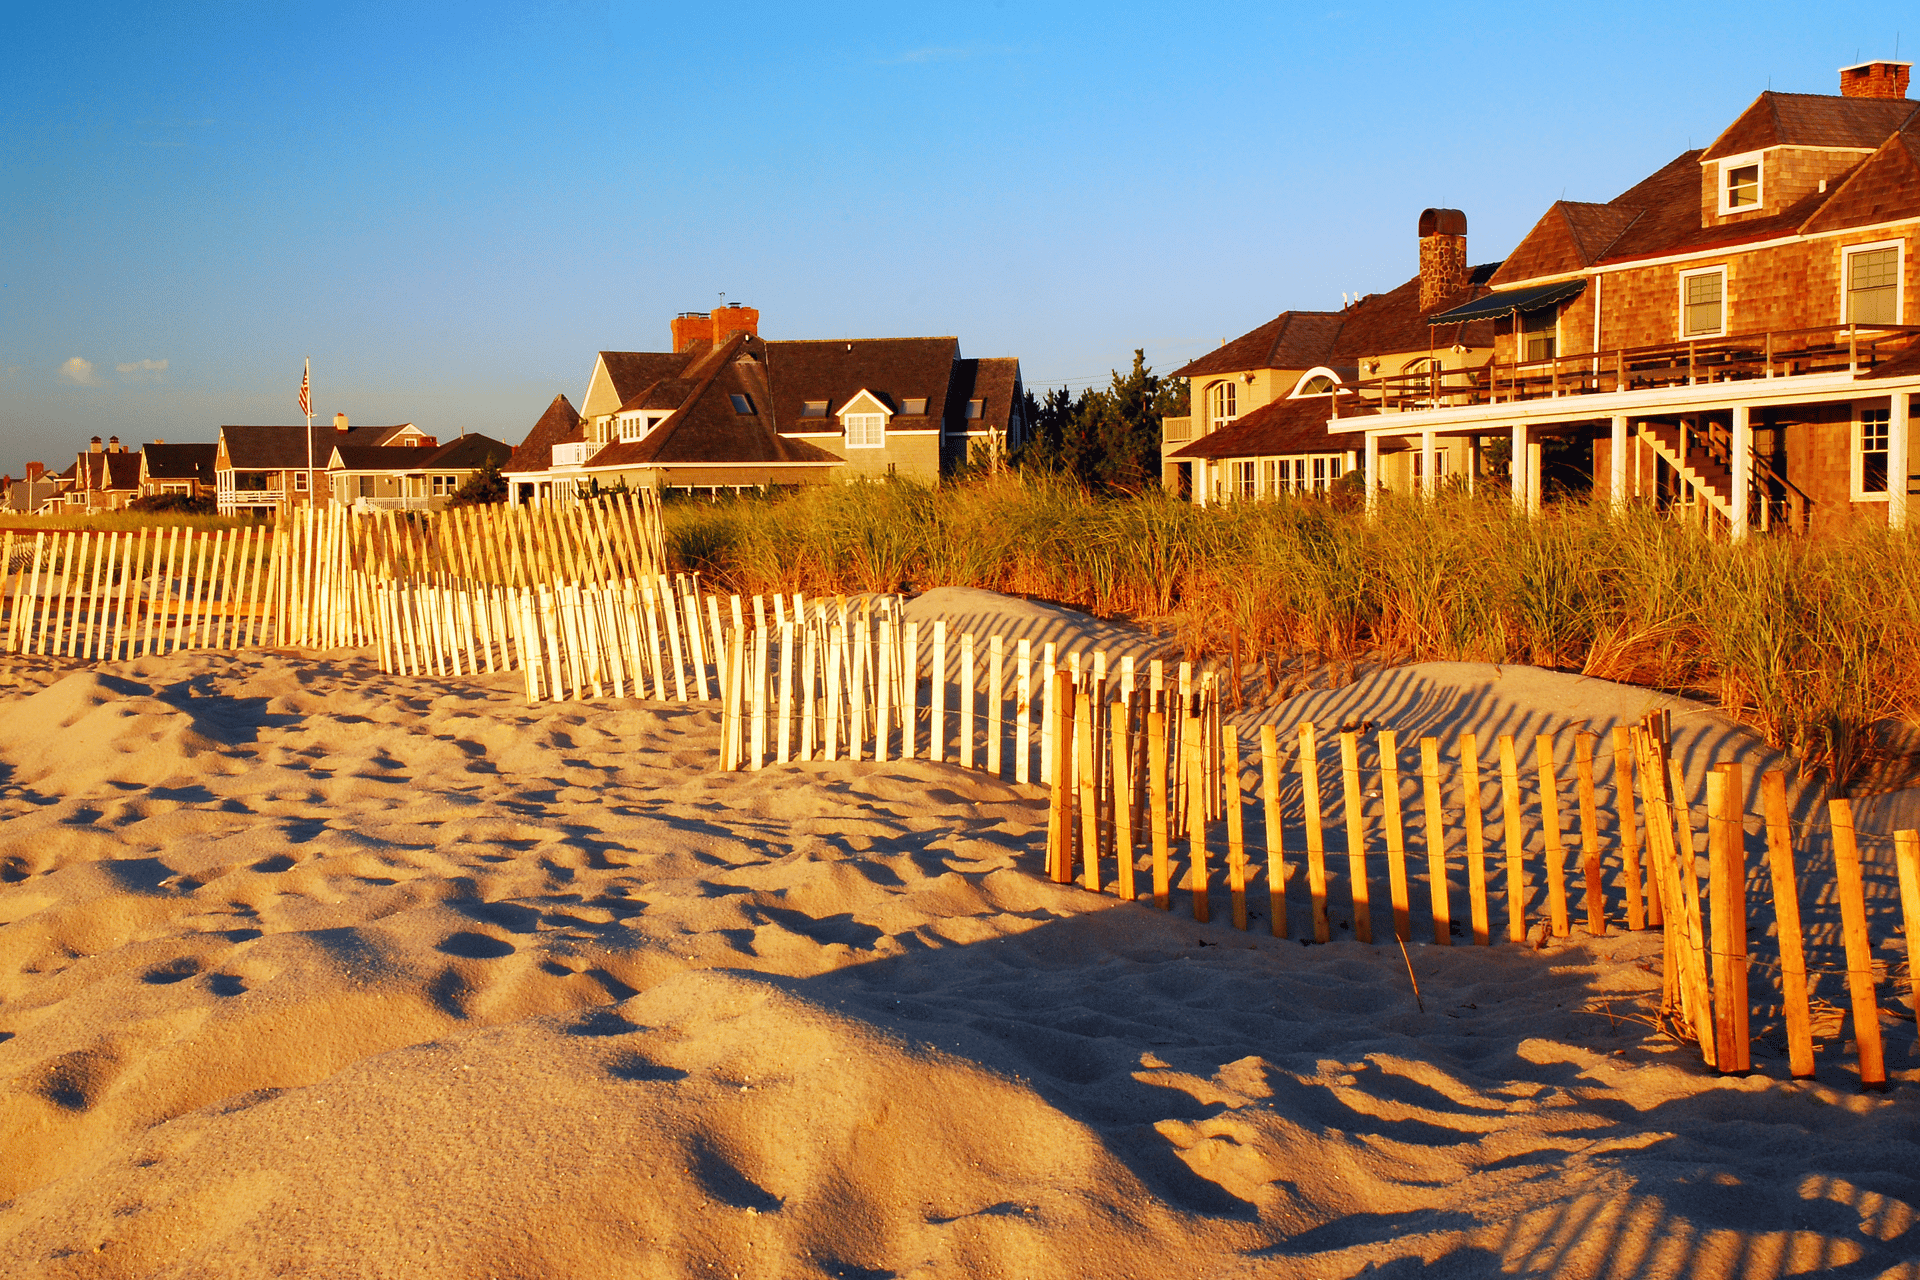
(451, 208)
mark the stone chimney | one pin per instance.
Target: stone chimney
(1875, 80)
(339, 422)
(1443, 256)
(95, 446)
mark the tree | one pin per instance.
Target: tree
(484, 488)
(1109, 439)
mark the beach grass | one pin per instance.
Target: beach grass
(1812, 642)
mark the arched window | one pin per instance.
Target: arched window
(1223, 403)
(1318, 385)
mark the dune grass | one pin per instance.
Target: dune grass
(1811, 642)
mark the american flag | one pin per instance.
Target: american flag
(306, 390)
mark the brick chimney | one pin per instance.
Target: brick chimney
(339, 422)
(734, 318)
(94, 446)
(691, 329)
(698, 328)
(114, 445)
(1875, 80)
(35, 470)
(1443, 256)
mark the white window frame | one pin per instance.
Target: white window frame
(1724, 177)
(1223, 390)
(874, 422)
(1856, 453)
(1847, 253)
(1680, 298)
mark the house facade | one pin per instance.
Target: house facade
(185, 470)
(729, 410)
(266, 470)
(400, 477)
(105, 477)
(1728, 338)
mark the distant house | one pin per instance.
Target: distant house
(105, 477)
(263, 470)
(726, 409)
(183, 469)
(33, 494)
(398, 477)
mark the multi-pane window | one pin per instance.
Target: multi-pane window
(1873, 450)
(1873, 286)
(866, 430)
(1243, 479)
(1439, 465)
(1703, 303)
(1743, 186)
(1312, 474)
(1223, 399)
(1539, 330)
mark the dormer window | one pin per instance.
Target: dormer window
(976, 409)
(866, 430)
(813, 409)
(1741, 184)
(914, 408)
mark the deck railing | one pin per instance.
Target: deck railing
(1788, 353)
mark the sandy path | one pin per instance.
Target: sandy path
(306, 970)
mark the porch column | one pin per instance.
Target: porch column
(1617, 464)
(1427, 486)
(1898, 454)
(1520, 464)
(1473, 464)
(1742, 472)
(1534, 487)
(1373, 472)
(1199, 482)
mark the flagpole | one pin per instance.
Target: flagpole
(306, 387)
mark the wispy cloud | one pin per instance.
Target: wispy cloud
(79, 371)
(142, 370)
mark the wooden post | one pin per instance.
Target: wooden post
(1590, 835)
(1236, 825)
(883, 694)
(1196, 767)
(1476, 839)
(1853, 920)
(910, 693)
(1550, 829)
(1060, 825)
(1727, 842)
(1786, 912)
(996, 693)
(1514, 840)
(1316, 840)
(1123, 788)
(1396, 835)
(1354, 809)
(1274, 834)
(1087, 784)
(836, 660)
(1629, 827)
(966, 706)
(1157, 788)
(1436, 842)
(937, 720)
(1906, 857)
(1023, 711)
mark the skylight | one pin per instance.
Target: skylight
(742, 403)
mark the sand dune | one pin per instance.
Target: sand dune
(306, 970)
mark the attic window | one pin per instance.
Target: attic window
(1318, 385)
(1743, 186)
(866, 430)
(742, 403)
(813, 409)
(976, 409)
(914, 408)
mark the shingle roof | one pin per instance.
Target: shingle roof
(1569, 237)
(472, 451)
(634, 371)
(1282, 427)
(179, 461)
(274, 448)
(896, 369)
(1291, 340)
(99, 471)
(1395, 321)
(558, 425)
(994, 381)
(1884, 186)
(1811, 120)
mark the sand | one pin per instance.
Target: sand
(307, 970)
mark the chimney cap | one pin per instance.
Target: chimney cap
(1442, 222)
(1875, 62)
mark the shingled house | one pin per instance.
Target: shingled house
(183, 469)
(1261, 404)
(262, 470)
(105, 477)
(399, 477)
(1729, 336)
(727, 410)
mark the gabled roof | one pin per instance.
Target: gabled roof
(1570, 237)
(1884, 186)
(274, 448)
(468, 452)
(558, 425)
(898, 369)
(995, 382)
(1291, 340)
(1396, 322)
(632, 372)
(179, 461)
(1282, 427)
(1811, 120)
(103, 470)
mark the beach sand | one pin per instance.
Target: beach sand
(309, 970)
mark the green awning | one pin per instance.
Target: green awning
(1509, 300)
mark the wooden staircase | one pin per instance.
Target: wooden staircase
(1688, 453)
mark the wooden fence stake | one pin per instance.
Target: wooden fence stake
(1236, 829)
(1274, 833)
(1060, 844)
(937, 720)
(1550, 829)
(1436, 842)
(1023, 711)
(1309, 766)
(1728, 923)
(1476, 839)
(1786, 912)
(1589, 834)
(1123, 788)
(1514, 840)
(1157, 797)
(1906, 857)
(1354, 809)
(1629, 827)
(1853, 918)
(996, 709)
(1196, 767)
(1087, 778)
(1396, 835)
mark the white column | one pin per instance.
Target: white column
(1199, 482)
(1521, 458)
(1898, 452)
(1427, 486)
(1617, 465)
(1533, 477)
(1742, 472)
(1473, 464)
(1373, 471)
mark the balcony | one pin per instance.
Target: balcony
(574, 454)
(1841, 350)
(1175, 432)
